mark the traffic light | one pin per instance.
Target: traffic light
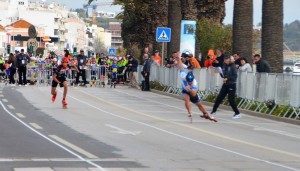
(8, 49)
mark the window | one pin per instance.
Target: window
(21, 3)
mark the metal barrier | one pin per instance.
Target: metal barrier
(261, 92)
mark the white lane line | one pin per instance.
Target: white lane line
(74, 147)
(36, 126)
(34, 169)
(187, 138)
(20, 115)
(5, 100)
(122, 131)
(52, 141)
(1, 95)
(10, 106)
(228, 120)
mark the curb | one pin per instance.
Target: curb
(248, 112)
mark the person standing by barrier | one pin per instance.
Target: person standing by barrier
(228, 87)
(146, 72)
(245, 66)
(261, 65)
(82, 59)
(22, 60)
(218, 62)
(189, 92)
(12, 60)
(60, 77)
(132, 67)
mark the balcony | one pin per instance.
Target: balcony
(61, 38)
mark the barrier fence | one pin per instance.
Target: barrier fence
(261, 92)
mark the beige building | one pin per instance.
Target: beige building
(103, 36)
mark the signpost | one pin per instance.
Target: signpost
(112, 52)
(163, 35)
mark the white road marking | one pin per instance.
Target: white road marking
(74, 147)
(122, 131)
(52, 141)
(34, 169)
(36, 126)
(64, 159)
(20, 115)
(184, 137)
(277, 132)
(5, 100)
(11, 107)
(1, 95)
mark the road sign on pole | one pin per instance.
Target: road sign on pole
(163, 34)
(111, 52)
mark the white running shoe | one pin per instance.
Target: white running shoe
(237, 116)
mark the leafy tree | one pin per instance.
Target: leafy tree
(211, 35)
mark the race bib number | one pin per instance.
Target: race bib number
(115, 70)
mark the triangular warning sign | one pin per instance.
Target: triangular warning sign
(163, 36)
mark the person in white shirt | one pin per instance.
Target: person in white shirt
(245, 66)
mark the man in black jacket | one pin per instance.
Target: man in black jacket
(22, 60)
(132, 69)
(146, 72)
(229, 87)
(82, 59)
(261, 65)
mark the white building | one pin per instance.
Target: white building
(52, 18)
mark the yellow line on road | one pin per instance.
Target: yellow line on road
(196, 129)
(74, 147)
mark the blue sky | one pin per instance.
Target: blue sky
(291, 9)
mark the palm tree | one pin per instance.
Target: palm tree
(243, 28)
(189, 10)
(174, 21)
(272, 34)
(211, 9)
(158, 17)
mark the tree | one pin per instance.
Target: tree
(272, 34)
(189, 10)
(158, 17)
(174, 22)
(243, 28)
(212, 35)
(211, 9)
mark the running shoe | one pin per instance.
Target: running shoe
(53, 98)
(237, 116)
(64, 102)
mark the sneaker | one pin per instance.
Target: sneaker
(236, 116)
(20, 85)
(25, 85)
(64, 102)
(213, 113)
(53, 98)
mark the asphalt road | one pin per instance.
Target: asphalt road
(125, 129)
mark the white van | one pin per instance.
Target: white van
(296, 68)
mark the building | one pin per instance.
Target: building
(104, 38)
(116, 38)
(76, 35)
(61, 28)
(3, 40)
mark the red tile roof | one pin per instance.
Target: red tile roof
(21, 24)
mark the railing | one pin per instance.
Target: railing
(261, 92)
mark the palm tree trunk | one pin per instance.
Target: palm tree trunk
(272, 34)
(174, 20)
(243, 28)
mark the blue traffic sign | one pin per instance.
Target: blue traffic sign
(163, 34)
(112, 52)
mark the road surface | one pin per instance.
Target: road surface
(124, 129)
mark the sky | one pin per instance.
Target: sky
(291, 9)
